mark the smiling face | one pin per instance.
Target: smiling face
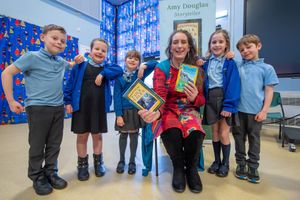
(132, 63)
(98, 51)
(218, 44)
(179, 47)
(54, 41)
(249, 51)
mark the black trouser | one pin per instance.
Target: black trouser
(249, 128)
(45, 136)
(182, 151)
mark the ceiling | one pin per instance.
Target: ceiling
(117, 2)
(220, 4)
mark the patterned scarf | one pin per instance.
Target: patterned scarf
(128, 75)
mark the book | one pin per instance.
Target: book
(187, 73)
(143, 97)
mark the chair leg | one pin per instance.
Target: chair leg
(280, 130)
(156, 160)
(282, 138)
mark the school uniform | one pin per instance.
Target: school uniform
(43, 75)
(255, 75)
(90, 102)
(122, 106)
(222, 90)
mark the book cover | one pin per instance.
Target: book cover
(186, 73)
(143, 97)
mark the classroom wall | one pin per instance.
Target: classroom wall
(42, 12)
(234, 23)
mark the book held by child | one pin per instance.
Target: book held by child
(143, 97)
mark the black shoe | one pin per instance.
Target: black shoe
(99, 165)
(57, 182)
(83, 169)
(193, 180)
(178, 180)
(42, 186)
(223, 170)
(253, 175)
(131, 168)
(292, 147)
(214, 168)
(241, 172)
(120, 167)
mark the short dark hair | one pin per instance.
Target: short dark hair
(52, 27)
(100, 40)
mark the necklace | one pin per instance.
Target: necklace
(177, 67)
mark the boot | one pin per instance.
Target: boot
(172, 140)
(83, 168)
(99, 165)
(192, 146)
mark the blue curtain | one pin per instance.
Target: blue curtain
(138, 28)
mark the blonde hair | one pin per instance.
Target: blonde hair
(247, 39)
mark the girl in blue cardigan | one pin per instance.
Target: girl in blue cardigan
(222, 92)
(87, 96)
(128, 121)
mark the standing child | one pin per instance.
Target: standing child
(128, 122)
(222, 90)
(257, 82)
(43, 72)
(88, 97)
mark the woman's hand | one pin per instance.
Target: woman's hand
(149, 116)
(191, 91)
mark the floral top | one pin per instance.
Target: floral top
(177, 112)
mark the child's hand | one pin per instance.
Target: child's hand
(98, 80)
(229, 55)
(141, 71)
(225, 114)
(191, 91)
(79, 59)
(200, 62)
(69, 109)
(120, 121)
(16, 107)
(261, 116)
